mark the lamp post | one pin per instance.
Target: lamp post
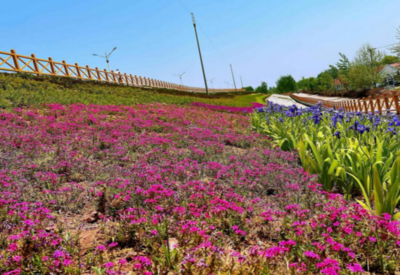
(106, 56)
(233, 77)
(212, 85)
(201, 59)
(180, 77)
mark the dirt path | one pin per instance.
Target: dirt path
(283, 100)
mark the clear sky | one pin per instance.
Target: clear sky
(263, 39)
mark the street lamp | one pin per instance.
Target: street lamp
(106, 56)
(212, 85)
(180, 77)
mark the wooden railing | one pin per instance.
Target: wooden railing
(381, 104)
(11, 61)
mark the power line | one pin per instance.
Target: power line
(387, 46)
(183, 6)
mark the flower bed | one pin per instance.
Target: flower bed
(158, 188)
(353, 152)
(245, 110)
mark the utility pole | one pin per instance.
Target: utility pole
(241, 81)
(201, 59)
(234, 83)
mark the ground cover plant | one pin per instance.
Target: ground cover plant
(353, 152)
(166, 189)
(244, 110)
(22, 90)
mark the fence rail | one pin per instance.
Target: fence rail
(11, 61)
(381, 104)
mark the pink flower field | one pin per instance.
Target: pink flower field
(165, 189)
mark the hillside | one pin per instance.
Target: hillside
(17, 90)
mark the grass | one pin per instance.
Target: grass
(246, 100)
(23, 90)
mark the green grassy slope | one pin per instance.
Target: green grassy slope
(246, 100)
(18, 90)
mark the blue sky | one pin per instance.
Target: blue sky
(262, 39)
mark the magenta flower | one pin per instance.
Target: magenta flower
(311, 254)
(355, 267)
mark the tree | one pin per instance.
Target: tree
(360, 76)
(345, 81)
(307, 84)
(286, 84)
(389, 59)
(324, 81)
(368, 60)
(263, 88)
(249, 89)
(343, 64)
(333, 71)
(396, 49)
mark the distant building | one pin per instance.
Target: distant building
(338, 84)
(391, 74)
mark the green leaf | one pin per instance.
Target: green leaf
(378, 193)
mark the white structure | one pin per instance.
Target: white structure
(389, 71)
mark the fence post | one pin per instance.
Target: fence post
(120, 80)
(113, 76)
(386, 102)
(396, 102)
(106, 73)
(65, 68)
(53, 71)
(378, 101)
(89, 72)
(371, 103)
(354, 103)
(78, 71)
(359, 105)
(98, 75)
(365, 105)
(15, 59)
(35, 64)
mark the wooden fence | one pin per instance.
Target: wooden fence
(381, 104)
(11, 61)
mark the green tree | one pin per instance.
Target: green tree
(286, 84)
(333, 71)
(324, 82)
(345, 81)
(249, 89)
(302, 84)
(396, 49)
(263, 88)
(360, 76)
(389, 59)
(367, 60)
(343, 64)
(307, 84)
